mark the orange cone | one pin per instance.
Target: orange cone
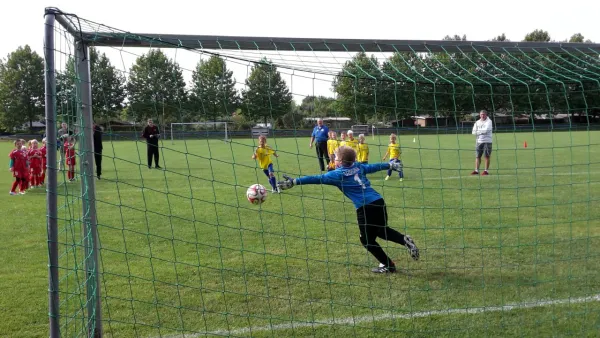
(525, 144)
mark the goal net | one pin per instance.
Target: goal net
(197, 130)
(167, 244)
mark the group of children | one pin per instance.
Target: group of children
(28, 163)
(362, 150)
(263, 153)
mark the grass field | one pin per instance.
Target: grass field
(511, 254)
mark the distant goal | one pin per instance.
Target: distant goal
(195, 130)
(361, 129)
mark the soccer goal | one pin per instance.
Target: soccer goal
(167, 244)
(195, 130)
(361, 129)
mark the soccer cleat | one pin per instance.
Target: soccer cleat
(401, 179)
(384, 269)
(387, 178)
(475, 172)
(13, 193)
(485, 173)
(412, 247)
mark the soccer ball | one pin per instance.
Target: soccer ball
(256, 194)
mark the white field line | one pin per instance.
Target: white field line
(391, 316)
(208, 186)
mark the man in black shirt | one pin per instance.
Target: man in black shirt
(151, 135)
(98, 149)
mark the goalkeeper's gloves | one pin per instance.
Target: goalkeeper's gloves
(396, 165)
(287, 183)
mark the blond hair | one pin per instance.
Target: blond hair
(346, 155)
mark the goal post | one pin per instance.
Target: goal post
(197, 132)
(176, 249)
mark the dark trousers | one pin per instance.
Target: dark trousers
(372, 223)
(152, 152)
(98, 160)
(321, 148)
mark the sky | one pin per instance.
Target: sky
(410, 20)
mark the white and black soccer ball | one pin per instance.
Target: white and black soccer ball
(256, 194)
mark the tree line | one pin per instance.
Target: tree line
(366, 89)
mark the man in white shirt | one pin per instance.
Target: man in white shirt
(483, 131)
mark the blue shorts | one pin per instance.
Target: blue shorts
(269, 170)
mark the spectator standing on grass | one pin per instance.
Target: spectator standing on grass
(483, 144)
(319, 137)
(98, 150)
(152, 134)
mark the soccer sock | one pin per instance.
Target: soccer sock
(14, 185)
(23, 185)
(273, 182)
(43, 178)
(389, 172)
(392, 235)
(401, 174)
(377, 251)
(33, 180)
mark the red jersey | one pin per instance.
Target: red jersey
(69, 153)
(19, 160)
(43, 151)
(35, 161)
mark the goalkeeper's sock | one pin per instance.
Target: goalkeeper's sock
(389, 173)
(401, 174)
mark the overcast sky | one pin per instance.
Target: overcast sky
(23, 23)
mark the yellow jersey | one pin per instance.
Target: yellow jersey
(342, 143)
(332, 146)
(394, 150)
(362, 155)
(263, 156)
(352, 144)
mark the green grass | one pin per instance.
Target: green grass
(183, 251)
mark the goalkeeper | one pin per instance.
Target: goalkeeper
(350, 177)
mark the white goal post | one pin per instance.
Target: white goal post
(203, 124)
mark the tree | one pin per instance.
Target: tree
(213, 89)
(266, 95)
(538, 35)
(108, 87)
(455, 37)
(318, 106)
(156, 88)
(21, 88)
(501, 37)
(359, 87)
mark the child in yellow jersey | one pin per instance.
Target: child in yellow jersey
(263, 155)
(362, 155)
(394, 152)
(343, 139)
(332, 147)
(351, 141)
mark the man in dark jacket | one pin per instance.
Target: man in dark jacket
(98, 149)
(151, 134)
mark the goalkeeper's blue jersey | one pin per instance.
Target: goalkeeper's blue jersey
(352, 181)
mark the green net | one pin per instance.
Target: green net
(181, 251)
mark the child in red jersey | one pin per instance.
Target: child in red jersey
(18, 166)
(43, 151)
(35, 164)
(70, 157)
(25, 149)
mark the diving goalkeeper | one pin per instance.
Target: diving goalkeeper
(371, 212)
